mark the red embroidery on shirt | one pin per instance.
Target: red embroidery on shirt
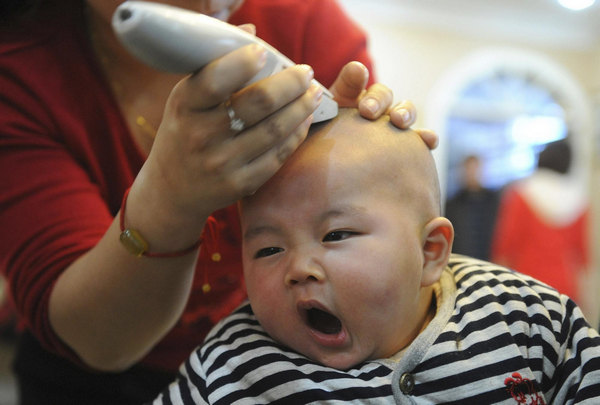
(522, 390)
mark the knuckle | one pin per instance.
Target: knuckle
(275, 131)
(284, 152)
(300, 136)
(406, 104)
(247, 189)
(216, 164)
(199, 143)
(381, 90)
(242, 186)
(289, 147)
(302, 79)
(310, 103)
(180, 110)
(389, 94)
(212, 90)
(176, 105)
(263, 99)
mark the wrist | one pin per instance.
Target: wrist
(156, 221)
(137, 245)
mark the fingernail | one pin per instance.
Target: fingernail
(260, 52)
(404, 114)
(372, 105)
(249, 28)
(308, 70)
(317, 92)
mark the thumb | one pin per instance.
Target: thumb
(350, 84)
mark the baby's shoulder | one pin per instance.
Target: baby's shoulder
(484, 289)
(471, 274)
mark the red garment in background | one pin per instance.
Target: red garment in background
(551, 248)
(66, 158)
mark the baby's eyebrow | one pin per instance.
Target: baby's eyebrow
(350, 210)
(260, 230)
(346, 210)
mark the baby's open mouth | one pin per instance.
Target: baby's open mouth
(323, 321)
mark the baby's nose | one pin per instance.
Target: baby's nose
(304, 271)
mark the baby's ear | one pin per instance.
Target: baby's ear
(437, 237)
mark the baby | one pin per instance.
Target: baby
(354, 296)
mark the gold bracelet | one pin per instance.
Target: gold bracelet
(135, 243)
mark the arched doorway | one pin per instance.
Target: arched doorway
(528, 72)
(513, 66)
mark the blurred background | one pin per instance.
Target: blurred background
(498, 80)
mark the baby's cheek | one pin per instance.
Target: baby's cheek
(262, 291)
(254, 288)
(277, 323)
(257, 277)
(264, 309)
(379, 294)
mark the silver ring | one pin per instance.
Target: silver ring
(236, 124)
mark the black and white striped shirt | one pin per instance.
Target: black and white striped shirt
(498, 337)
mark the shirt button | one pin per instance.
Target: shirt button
(407, 383)
(216, 257)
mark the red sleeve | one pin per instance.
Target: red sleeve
(62, 173)
(50, 211)
(508, 227)
(315, 32)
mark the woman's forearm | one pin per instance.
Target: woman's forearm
(111, 308)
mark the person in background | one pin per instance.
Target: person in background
(104, 159)
(355, 298)
(542, 224)
(472, 211)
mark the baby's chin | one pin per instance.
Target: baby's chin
(340, 360)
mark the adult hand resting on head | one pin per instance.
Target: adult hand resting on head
(350, 90)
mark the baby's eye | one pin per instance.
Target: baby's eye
(337, 236)
(267, 252)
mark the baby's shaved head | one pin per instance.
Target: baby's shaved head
(374, 155)
(396, 161)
